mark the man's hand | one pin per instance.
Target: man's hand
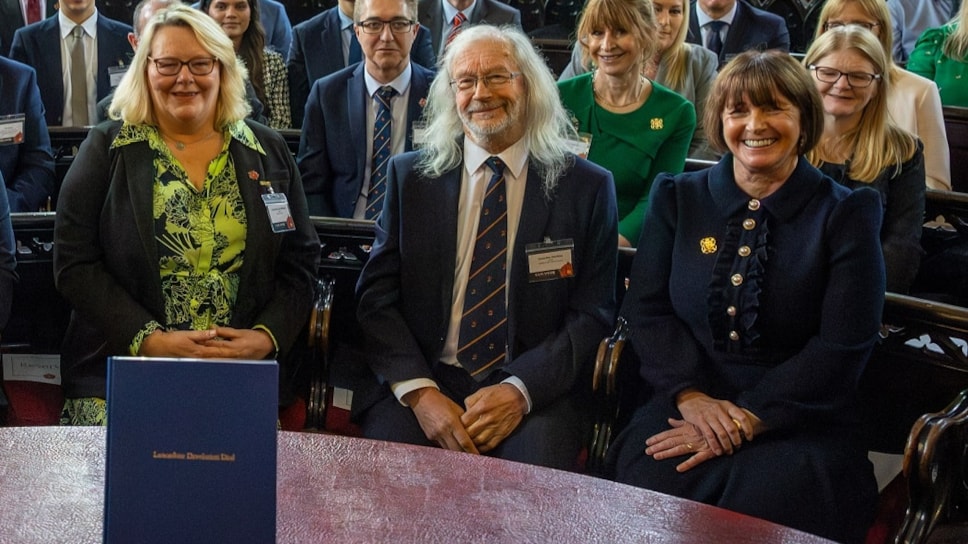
(440, 419)
(493, 412)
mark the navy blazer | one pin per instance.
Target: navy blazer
(38, 45)
(752, 28)
(106, 258)
(332, 147)
(12, 18)
(317, 51)
(27, 167)
(406, 288)
(430, 13)
(276, 23)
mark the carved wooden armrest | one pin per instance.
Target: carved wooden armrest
(934, 466)
(318, 340)
(606, 395)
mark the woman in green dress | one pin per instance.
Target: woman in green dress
(941, 55)
(637, 128)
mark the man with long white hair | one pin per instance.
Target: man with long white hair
(492, 276)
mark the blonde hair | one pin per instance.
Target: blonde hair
(758, 77)
(676, 55)
(956, 44)
(876, 142)
(875, 9)
(132, 101)
(637, 17)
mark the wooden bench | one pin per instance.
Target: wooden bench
(956, 128)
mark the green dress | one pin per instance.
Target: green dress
(951, 75)
(635, 146)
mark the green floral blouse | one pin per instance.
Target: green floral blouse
(200, 234)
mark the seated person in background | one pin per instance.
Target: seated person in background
(332, 32)
(26, 160)
(16, 14)
(267, 69)
(686, 68)
(753, 309)
(913, 102)
(861, 147)
(729, 27)
(78, 41)
(278, 29)
(8, 261)
(143, 11)
(446, 18)
(910, 18)
(497, 151)
(162, 243)
(359, 117)
(941, 55)
(638, 128)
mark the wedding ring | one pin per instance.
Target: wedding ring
(738, 424)
(688, 446)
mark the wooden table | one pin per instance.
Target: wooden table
(339, 489)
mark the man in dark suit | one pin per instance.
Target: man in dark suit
(337, 148)
(324, 44)
(26, 160)
(740, 27)
(438, 16)
(46, 46)
(13, 16)
(491, 278)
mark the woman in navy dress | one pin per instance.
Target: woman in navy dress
(753, 309)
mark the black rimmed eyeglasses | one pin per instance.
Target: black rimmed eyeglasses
(375, 26)
(492, 81)
(857, 80)
(199, 66)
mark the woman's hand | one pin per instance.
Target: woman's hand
(682, 439)
(723, 424)
(178, 344)
(241, 343)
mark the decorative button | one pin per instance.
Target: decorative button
(754, 204)
(731, 311)
(736, 279)
(749, 224)
(744, 251)
(733, 335)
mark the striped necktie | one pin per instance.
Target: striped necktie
(483, 328)
(715, 41)
(456, 26)
(381, 150)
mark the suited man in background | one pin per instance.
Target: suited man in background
(439, 16)
(326, 43)
(15, 14)
(47, 47)
(475, 344)
(337, 147)
(26, 161)
(741, 27)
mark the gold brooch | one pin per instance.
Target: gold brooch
(655, 123)
(707, 245)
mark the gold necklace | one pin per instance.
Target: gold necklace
(180, 145)
(601, 98)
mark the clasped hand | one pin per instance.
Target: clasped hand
(488, 417)
(709, 428)
(214, 343)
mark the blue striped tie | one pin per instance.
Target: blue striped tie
(715, 41)
(483, 326)
(381, 151)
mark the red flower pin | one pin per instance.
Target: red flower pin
(253, 175)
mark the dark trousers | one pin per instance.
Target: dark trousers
(549, 436)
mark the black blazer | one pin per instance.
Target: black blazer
(317, 51)
(106, 261)
(332, 148)
(38, 45)
(12, 18)
(752, 28)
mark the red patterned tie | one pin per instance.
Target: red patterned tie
(33, 11)
(483, 327)
(457, 26)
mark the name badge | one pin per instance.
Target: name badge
(580, 146)
(419, 134)
(12, 129)
(280, 218)
(115, 73)
(550, 260)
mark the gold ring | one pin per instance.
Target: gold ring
(688, 446)
(738, 424)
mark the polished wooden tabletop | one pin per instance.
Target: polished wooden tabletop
(339, 489)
